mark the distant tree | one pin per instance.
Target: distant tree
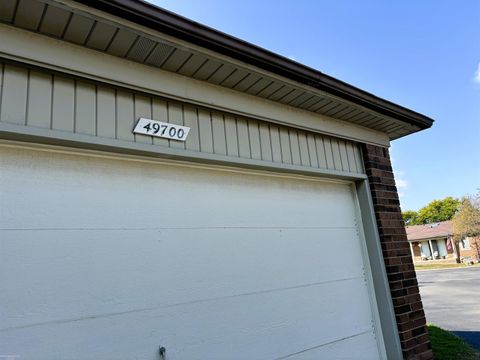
(435, 211)
(438, 210)
(466, 222)
(410, 217)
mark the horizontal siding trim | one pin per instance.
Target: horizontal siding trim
(83, 141)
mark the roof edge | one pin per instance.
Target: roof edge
(167, 22)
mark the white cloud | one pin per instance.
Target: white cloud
(401, 183)
(477, 74)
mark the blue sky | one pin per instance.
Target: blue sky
(424, 55)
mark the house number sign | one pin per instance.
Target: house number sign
(161, 129)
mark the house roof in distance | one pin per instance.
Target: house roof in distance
(428, 231)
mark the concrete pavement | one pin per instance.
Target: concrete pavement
(450, 299)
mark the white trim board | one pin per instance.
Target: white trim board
(165, 161)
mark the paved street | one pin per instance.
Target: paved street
(450, 298)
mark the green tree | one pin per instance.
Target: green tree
(466, 222)
(438, 210)
(410, 217)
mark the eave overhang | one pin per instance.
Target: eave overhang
(172, 24)
(141, 32)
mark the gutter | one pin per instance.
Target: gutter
(145, 14)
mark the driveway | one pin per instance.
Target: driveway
(450, 298)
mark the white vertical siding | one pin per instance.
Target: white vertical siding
(41, 99)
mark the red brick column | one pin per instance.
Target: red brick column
(396, 252)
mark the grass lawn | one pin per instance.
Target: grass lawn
(442, 266)
(447, 346)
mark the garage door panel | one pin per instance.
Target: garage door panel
(262, 325)
(158, 196)
(89, 272)
(102, 256)
(364, 344)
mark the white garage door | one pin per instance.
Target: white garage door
(104, 258)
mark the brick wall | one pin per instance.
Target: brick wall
(473, 251)
(417, 253)
(396, 251)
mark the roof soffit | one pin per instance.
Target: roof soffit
(83, 25)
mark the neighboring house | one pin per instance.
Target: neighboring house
(432, 241)
(165, 185)
(435, 242)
